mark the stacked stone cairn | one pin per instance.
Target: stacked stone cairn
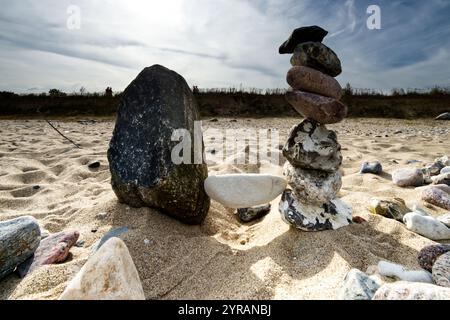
(313, 152)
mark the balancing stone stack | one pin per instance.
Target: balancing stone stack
(313, 152)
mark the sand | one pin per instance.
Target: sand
(222, 258)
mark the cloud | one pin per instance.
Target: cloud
(217, 43)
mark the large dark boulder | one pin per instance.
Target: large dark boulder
(155, 104)
(301, 35)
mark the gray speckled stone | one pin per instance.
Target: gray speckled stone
(441, 270)
(428, 255)
(19, 239)
(358, 286)
(437, 195)
(308, 217)
(312, 146)
(153, 106)
(318, 56)
(313, 186)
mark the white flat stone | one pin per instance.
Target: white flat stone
(109, 274)
(244, 190)
(389, 269)
(426, 226)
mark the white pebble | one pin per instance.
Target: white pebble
(389, 269)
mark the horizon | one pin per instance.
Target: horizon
(72, 44)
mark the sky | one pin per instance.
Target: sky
(216, 43)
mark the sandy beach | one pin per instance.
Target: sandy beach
(222, 258)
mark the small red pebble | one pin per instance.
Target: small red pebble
(358, 219)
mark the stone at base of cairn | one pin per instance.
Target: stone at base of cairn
(308, 217)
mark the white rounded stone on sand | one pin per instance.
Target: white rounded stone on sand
(426, 226)
(389, 269)
(244, 190)
(109, 274)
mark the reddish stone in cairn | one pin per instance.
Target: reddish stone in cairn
(308, 79)
(53, 249)
(319, 108)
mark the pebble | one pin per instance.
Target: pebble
(254, 213)
(311, 145)
(94, 165)
(309, 217)
(443, 116)
(102, 215)
(408, 177)
(313, 186)
(244, 190)
(441, 270)
(438, 195)
(392, 208)
(358, 286)
(302, 35)
(443, 178)
(53, 249)
(319, 108)
(80, 243)
(445, 170)
(432, 169)
(318, 56)
(428, 255)
(426, 226)
(404, 290)
(311, 80)
(371, 167)
(109, 274)
(19, 239)
(393, 270)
